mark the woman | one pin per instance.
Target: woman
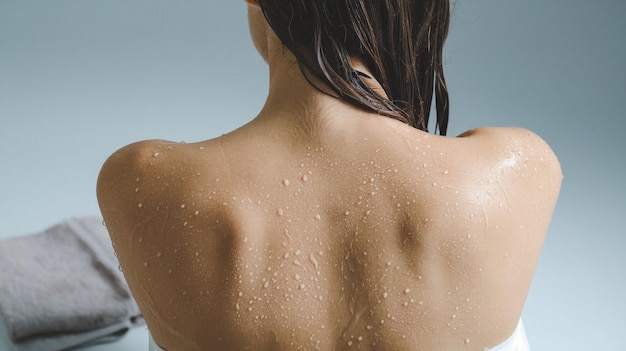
(334, 220)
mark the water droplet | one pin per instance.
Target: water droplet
(385, 294)
(305, 178)
(301, 287)
(405, 303)
(140, 205)
(350, 343)
(182, 206)
(286, 182)
(467, 341)
(407, 290)
(347, 213)
(296, 276)
(159, 254)
(240, 294)
(369, 327)
(286, 255)
(267, 283)
(314, 261)
(140, 240)
(279, 212)
(318, 217)
(297, 263)
(197, 213)
(155, 154)
(145, 264)
(136, 190)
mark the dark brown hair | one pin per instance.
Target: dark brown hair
(400, 41)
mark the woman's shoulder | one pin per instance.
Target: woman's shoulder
(513, 150)
(154, 156)
(148, 173)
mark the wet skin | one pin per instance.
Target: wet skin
(320, 225)
(383, 238)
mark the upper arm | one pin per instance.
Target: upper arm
(122, 188)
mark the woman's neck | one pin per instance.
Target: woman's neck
(306, 100)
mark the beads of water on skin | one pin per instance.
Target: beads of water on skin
(279, 212)
(385, 294)
(305, 178)
(318, 217)
(314, 261)
(407, 290)
(140, 205)
(286, 182)
(467, 341)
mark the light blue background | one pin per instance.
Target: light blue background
(79, 79)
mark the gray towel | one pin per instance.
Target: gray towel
(62, 288)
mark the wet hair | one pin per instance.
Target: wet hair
(400, 41)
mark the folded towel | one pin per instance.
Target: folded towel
(62, 288)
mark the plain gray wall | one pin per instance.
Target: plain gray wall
(79, 79)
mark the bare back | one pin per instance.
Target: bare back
(382, 238)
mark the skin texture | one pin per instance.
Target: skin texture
(320, 225)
